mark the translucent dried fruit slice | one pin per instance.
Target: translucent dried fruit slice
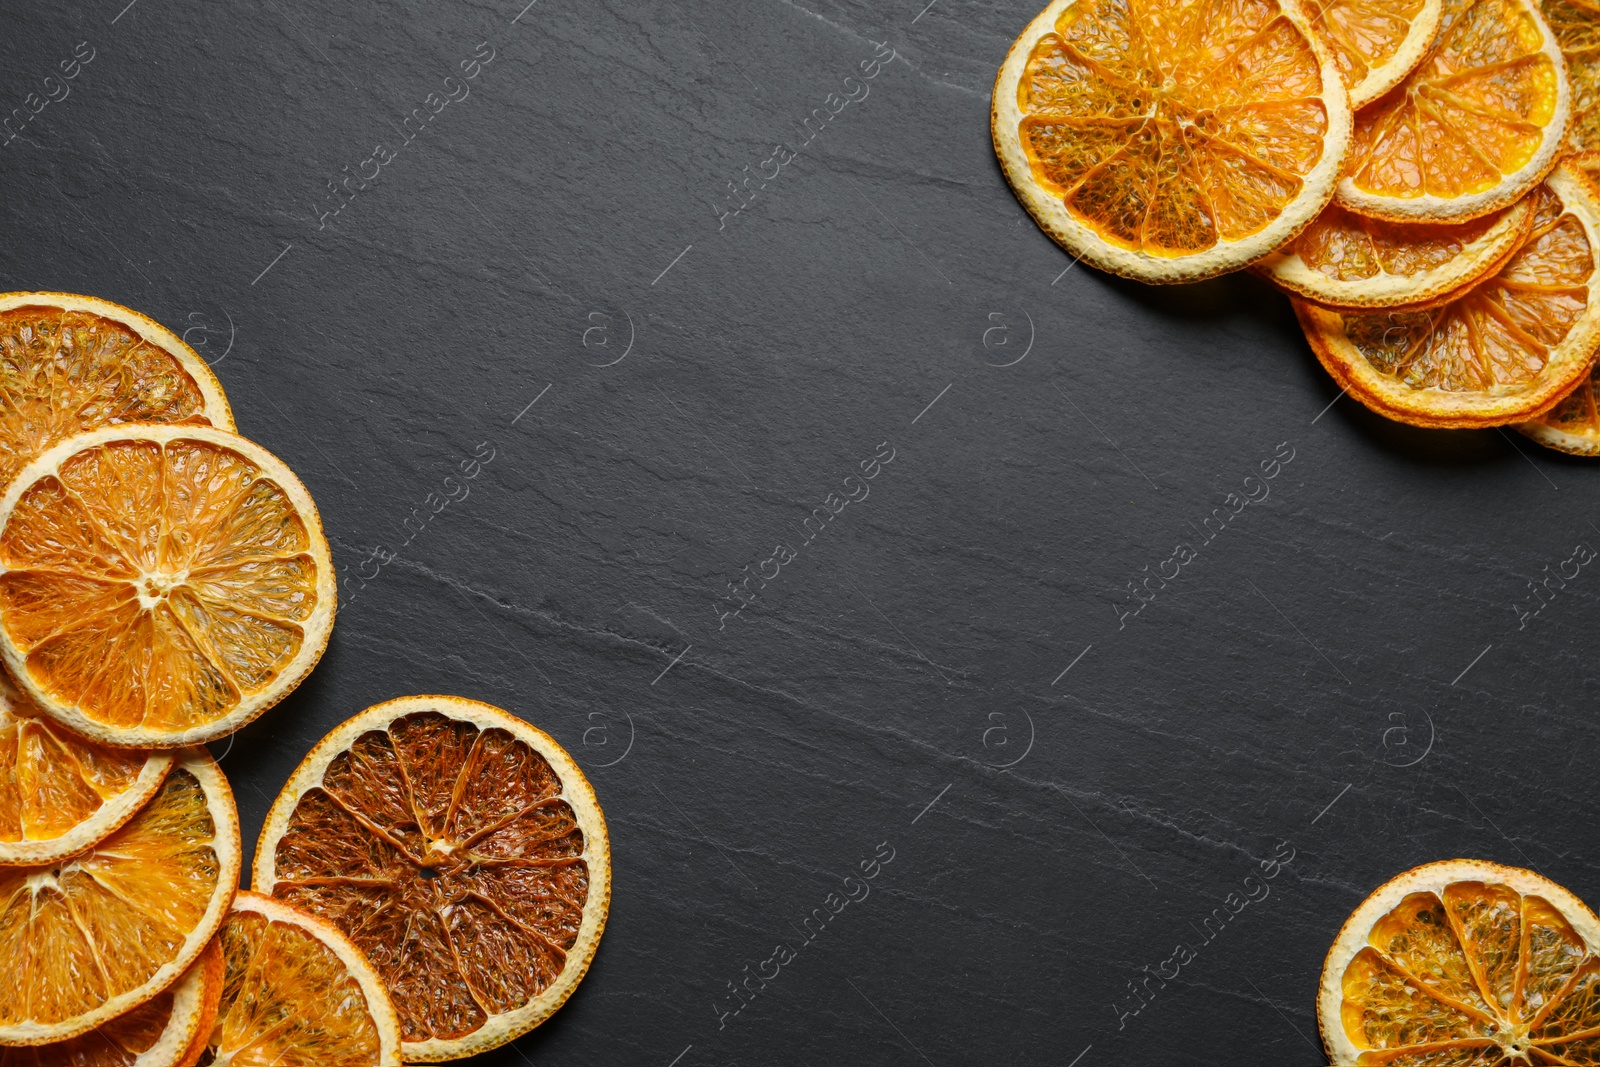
(1169, 140)
(60, 793)
(297, 993)
(1375, 43)
(167, 1031)
(1576, 24)
(92, 937)
(1507, 350)
(1464, 963)
(71, 363)
(161, 585)
(1347, 261)
(462, 850)
(1573, 424)
(1473, 128)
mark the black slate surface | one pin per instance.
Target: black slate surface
(944, 674)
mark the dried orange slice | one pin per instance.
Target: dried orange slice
(462, 850)
(71, 363)
(1344, 260)
(89, 938)
(60, 793)
(1464, 963)
(1507, 350)
(1375, 43)
(167, 1031)
(1473, 128)
(161, 585)
(1168, 140)
(1576, 24)
(297, 994)
(1573, 425)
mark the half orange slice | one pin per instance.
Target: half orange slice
(1464, 963)
(1473, 128)
(71, 363)
(60, 793)
(90, 938)
(297, 994)
(1504, 352)
(1169, 141)
(462, 850)
(161, 585)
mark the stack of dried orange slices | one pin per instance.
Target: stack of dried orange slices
(1411, 172)
(163, 581)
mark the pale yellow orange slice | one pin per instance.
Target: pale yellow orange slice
(462, 850)
(1475, 126)
(1464, 963)
(1505, 351)
(1168, 140)
(161, 585)
(297, 993)
(92, 937)
(70, 363)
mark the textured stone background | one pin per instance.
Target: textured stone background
(1305, 680)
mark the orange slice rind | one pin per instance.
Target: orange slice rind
(296, 991)
(70, 363)
(1461, 963)
(60, 793)
(1475, 126)
(1346, 261)
(1375, 43)
(1504, 352)
(462, 850)
(1576, 24)
(161, 585)
(1166, 141)
(92, 937)
(166, 1031)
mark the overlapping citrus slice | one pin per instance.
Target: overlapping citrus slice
(71, 363)
(60, 793)
(1464, 963)
(1573, 425)
(1168, 140)
(462, 850)
(1375, 43)
(1506, 351)
(160, 585)
(168, 1031)
(1474, 127)
(297, 993)
(92, 937)
(1576, 24)
(1344, 260)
